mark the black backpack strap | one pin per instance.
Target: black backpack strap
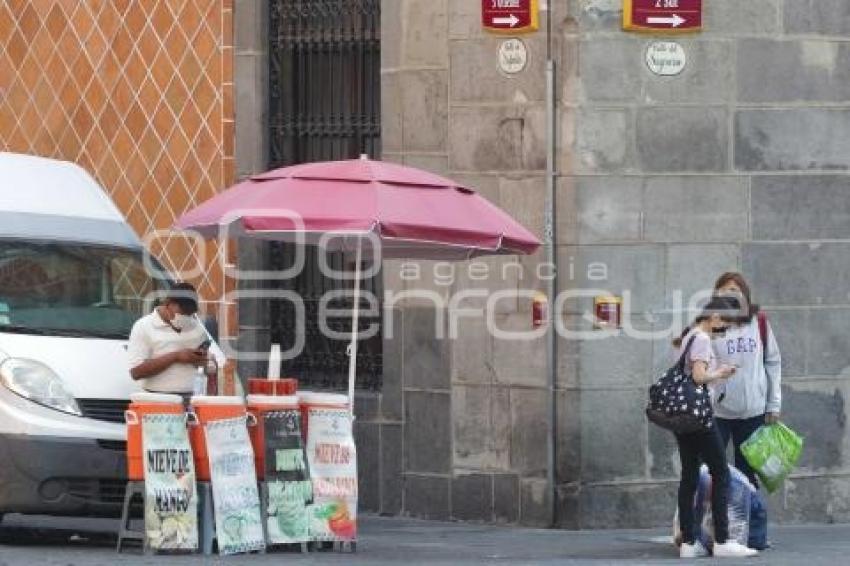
(683, 359)
(762, 320)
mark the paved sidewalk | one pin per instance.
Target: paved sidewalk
(82, 542)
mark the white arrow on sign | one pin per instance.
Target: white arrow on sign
(509, 21)
(675, 20)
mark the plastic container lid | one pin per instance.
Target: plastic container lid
(316, 398)
(272, 400)
(217, 400)
(156, 398)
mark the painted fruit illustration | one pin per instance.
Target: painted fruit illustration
(341, 523)
(338, 519)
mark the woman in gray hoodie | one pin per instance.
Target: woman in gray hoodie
(754, 396)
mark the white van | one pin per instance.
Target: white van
(72, 283)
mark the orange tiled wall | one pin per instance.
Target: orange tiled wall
(138, 92)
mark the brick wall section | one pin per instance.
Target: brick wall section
(138, 92)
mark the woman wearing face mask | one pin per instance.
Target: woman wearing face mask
(755, 396)
(705, 446)
(163, 350)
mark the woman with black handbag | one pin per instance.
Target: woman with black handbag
(705, 445)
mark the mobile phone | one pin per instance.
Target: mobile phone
(205, 345)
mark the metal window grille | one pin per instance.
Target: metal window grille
(325, 80)
(324, 104)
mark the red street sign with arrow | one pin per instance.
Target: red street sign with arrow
(662, 15)
(510, 16)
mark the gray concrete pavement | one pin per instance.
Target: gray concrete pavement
(85, 542)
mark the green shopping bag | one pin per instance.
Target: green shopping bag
(772, 451)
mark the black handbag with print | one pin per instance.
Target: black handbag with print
(677, 403)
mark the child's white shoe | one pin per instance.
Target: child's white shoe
(695, 550)
(733, 549)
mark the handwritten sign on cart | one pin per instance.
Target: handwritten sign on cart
(332, 457)
(171, 504)
(287, 478)
(236, 499)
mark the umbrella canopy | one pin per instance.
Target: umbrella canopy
(415, 214)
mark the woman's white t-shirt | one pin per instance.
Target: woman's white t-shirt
(700, 351)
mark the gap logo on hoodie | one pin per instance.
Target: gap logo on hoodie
(740, 345)
(756, 386)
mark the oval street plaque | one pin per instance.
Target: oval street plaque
(666, 58)
(513, 56)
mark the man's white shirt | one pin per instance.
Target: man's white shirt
(152, 337)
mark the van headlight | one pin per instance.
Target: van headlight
(35, 381)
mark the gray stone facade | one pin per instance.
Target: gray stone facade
(250, 83)
(474, 406)
(739, 163)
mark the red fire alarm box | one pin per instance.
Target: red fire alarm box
(607, 312)
(539, 310)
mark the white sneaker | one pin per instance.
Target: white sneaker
(695, 550)
(733, 549)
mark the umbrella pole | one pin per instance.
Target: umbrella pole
(355, 328)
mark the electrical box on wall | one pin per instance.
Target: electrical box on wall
(607, 311)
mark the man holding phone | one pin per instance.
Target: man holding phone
(167, 346)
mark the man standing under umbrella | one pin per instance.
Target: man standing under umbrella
(165, 348)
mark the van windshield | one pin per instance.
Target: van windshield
(68, 289)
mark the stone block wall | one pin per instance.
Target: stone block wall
(739, 163)
(473, 407)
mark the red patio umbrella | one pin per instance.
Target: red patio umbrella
(413, 213)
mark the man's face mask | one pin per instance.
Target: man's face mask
(181, 321)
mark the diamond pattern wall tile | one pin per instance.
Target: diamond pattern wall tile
(136, 91)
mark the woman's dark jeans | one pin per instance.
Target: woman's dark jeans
(740, 430)
(694, 449)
